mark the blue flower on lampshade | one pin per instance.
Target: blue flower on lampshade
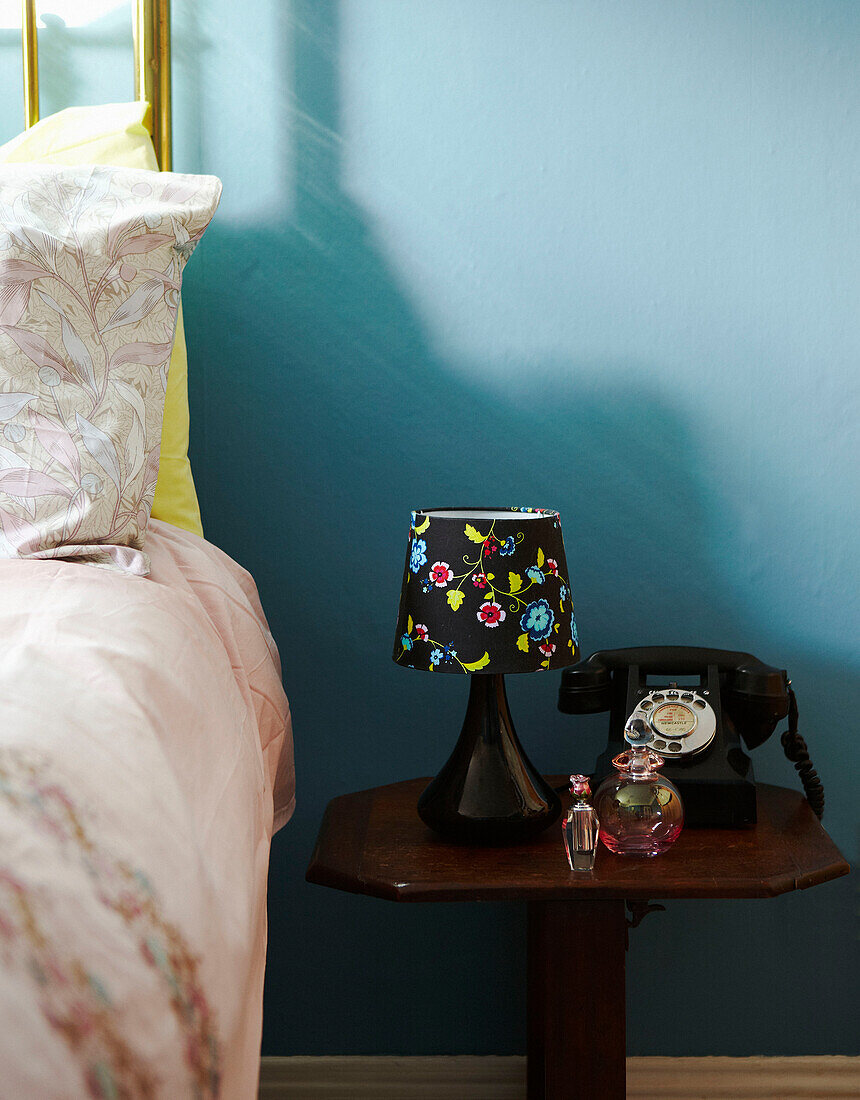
(419, 555)
(537, 620)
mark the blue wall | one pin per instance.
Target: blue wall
(597, 257)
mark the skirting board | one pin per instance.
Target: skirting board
(497, 1078)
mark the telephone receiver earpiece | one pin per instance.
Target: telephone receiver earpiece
(756, 698)
(586, 688)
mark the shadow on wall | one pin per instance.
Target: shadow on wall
(323, 417)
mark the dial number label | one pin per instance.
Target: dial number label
(673, 720)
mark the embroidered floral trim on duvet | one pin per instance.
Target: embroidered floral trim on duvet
(72, 996)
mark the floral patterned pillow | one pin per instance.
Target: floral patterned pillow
(91, 263)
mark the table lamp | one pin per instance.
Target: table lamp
(486, 592)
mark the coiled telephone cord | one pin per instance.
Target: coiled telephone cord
(795, 749)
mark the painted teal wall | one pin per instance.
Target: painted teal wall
(598, 257)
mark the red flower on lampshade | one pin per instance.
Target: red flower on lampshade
(491, 614)
(441, 573)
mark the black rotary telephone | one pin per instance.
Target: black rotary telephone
(696, 729)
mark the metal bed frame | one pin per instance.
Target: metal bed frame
(151, 69)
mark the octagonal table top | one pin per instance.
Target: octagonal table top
(373, 842)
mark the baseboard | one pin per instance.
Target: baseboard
(497, 1078)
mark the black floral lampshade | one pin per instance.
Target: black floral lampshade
(485, 590)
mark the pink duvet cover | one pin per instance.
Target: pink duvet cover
(144, 740)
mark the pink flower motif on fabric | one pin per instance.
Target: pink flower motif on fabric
(70, 993)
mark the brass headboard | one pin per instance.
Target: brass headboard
(151, 69)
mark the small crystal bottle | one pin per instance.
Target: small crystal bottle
(641, 813)
(580, 826)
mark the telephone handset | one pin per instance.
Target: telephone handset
(696, 729)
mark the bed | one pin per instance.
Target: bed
(145, 761)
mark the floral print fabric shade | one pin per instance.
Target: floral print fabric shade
(91, 263)
(485, 590)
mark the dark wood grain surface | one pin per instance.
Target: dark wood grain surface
(575, 1024)
(373, 842)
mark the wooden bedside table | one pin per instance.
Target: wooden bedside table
(373, 842)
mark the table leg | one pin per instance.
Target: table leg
(576, 1000)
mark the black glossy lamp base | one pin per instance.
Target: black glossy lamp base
(488, 793)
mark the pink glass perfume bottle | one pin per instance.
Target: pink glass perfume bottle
(641, 813)
(580, 826)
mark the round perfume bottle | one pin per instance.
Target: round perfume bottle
(640, 812)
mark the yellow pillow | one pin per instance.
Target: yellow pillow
(115, 134)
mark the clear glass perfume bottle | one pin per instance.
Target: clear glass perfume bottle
(641, 813)
(580, 826)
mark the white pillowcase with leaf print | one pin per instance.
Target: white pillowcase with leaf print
(91, 264)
